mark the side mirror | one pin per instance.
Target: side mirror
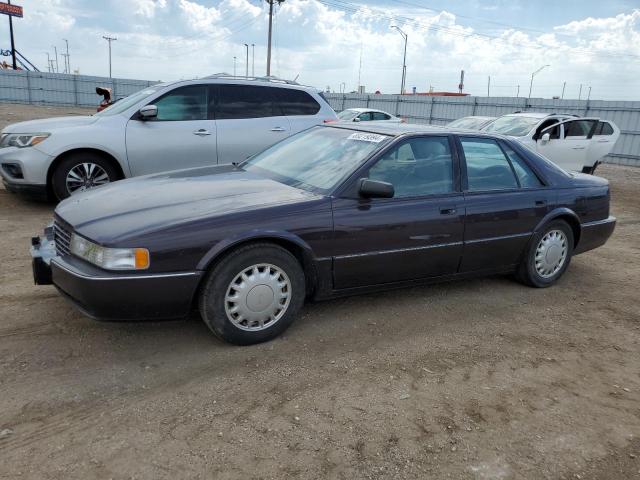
(375, 189)
(545, 138)
(148, 111)
(357, 119)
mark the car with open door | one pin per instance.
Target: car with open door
(333, 210)
(574, 143)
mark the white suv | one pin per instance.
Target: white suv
(573, 143)
(215, 120)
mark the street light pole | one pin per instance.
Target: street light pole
(109, 39)
(253, 59)
(246, 64)
(404, 59)
(234, 66)
(533, 75)
(55, 49)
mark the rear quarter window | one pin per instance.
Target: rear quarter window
(295, 102)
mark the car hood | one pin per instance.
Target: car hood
(49, 124)
(142, 205)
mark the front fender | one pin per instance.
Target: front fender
(253, 235)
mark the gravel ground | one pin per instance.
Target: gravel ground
(479, 379)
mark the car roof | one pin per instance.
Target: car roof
(398, 129)
(230, 79)
(532, 114)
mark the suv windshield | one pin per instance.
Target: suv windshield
(515, 126)
(122, 105)
(316, 160)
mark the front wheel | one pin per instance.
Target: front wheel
(548, 256)
(253, 294)
(81, 171)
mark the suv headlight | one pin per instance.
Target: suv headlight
(22, 140)
(110, 258)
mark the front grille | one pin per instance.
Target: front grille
(62, 238)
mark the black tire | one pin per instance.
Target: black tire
(220, 277)
(58, 179)
(528, 273)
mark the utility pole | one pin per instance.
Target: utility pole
(109, 39)
(404, 59)
(589, 94)
(67, 65)
(253, 59)
(533, 75)
(234, 66)
(489, 86)
(55, 49)
(564, 85)
(270, 2)
(13, 45)
(246, 63)
(359, 70)
(518, 93)
(580, 93)
(48, 62)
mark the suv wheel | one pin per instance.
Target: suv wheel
(548, 256)
(81, 171)
(253, 294)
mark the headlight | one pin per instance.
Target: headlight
(110, 258)
(22, 140)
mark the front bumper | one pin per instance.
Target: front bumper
(32, 162)
(595, 234)
(115, 296)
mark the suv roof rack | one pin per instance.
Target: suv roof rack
(272, 79)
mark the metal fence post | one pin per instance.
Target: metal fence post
(75, 90)
(431, 110)
(475, 106)
(28, 87)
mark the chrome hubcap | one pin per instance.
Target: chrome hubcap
(84, 176)
(551, 253)
(258, 297)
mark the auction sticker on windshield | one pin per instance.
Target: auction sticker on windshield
(367, 137)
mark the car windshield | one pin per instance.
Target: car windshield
(122, 105)
(318, 159)
(515, 126)
(469, 123)
(347, 114)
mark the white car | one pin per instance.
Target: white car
(367, 115)
(215, 120)
(471, 123)
(574, 143)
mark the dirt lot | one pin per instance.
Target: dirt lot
(481, 379)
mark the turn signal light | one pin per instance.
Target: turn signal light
(142, 258)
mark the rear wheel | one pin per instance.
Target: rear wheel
(253, 294)
(548, 256)
(81, 171)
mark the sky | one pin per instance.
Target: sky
(333, 43)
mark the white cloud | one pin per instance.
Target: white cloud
(147, 8)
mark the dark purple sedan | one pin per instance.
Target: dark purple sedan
(334, 210)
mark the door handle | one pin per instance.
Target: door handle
(603, 141)
(578, 148)
(541, 203)
(277, 129)
(202, 132)
(448, 211)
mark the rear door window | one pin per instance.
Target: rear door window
(295, 102)
(244, 101)
(487, 166)
(365, 117)
(604, 128)
(527, 177)
(379, 116)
